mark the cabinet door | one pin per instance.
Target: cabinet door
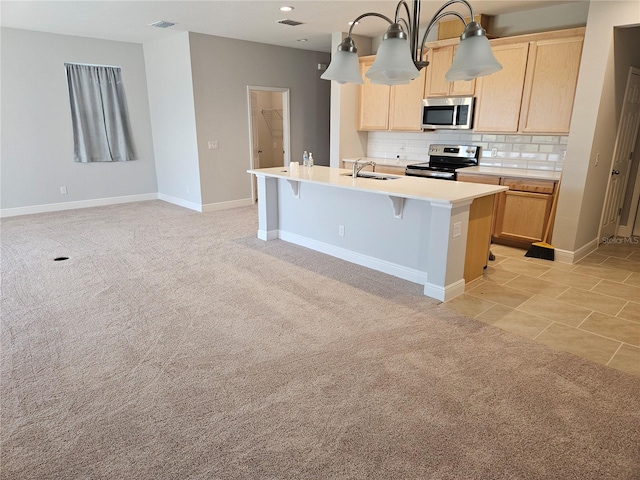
(405, 108)
(462, 87)
(373, 106)
(499, 96)
(552, 76)
(522, 217)
(440, 60)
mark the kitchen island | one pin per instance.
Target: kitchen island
(432, 232)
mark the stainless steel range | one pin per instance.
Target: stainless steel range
(444, 160)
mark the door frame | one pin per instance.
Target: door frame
(286, 129)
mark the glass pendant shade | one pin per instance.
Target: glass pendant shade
(473, 58)
(393, 63)
(344, 68)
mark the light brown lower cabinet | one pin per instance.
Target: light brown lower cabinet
(521, 214)
(521, 218)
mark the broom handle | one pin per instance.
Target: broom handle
(552, 213)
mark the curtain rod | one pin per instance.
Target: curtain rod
(91, 65)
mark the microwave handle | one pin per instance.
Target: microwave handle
(454, 121)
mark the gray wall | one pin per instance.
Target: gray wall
(222, 69)
(168, 67)
(37, 139)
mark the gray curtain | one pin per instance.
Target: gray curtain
(101, 128)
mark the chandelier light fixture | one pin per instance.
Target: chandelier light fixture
(400, 56)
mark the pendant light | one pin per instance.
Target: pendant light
(400, 56)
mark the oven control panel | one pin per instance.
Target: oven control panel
(459, 151)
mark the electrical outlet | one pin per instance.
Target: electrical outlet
(188, 189)
(213, 145)
(63, 190)
(341, 230)
(494, 152)
(457, 229)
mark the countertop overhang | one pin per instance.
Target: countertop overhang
(431, 190)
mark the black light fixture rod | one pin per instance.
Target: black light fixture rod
(368, 14)
(435, 20)
(415, 34)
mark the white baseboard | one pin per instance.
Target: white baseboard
(180, 202)
(567, 256)
(444, 293)
(268, 234)
(208, 207)
(213, 207)
(383, 266)
(58, 207)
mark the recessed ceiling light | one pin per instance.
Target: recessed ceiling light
(286, 9)
(303, 39)
(351, 23)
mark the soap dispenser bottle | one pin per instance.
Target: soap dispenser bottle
(310, 159)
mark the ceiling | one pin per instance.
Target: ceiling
(252, 20)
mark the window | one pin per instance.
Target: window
(101, 129)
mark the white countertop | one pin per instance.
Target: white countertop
(512, 172)
(432, 190)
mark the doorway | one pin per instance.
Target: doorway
(269, 129)
(621, 165)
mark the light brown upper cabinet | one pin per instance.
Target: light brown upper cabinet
(550, 86)
(389, 108)
(499, 96)
(440, 60)
(534, 91)
(373, 101)
(405, 109)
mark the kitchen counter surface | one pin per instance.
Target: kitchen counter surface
(512, 172)
(434, 191)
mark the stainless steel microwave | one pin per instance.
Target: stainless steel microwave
(447, 113)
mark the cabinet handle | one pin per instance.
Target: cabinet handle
(615, 172)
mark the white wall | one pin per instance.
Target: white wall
(222, 69)
(171, 100)
(593, 129)
(37, 137)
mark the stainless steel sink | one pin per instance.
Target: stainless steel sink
(373, 176)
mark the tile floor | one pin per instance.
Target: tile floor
(590, 309)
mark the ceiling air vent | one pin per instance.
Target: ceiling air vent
(291, 23)
(162, 24)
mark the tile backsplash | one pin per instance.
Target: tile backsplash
(536, 152)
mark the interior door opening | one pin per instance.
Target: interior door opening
(621, 165)
(269, 129)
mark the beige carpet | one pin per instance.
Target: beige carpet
(176, 345)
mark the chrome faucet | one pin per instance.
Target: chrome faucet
(357, 166)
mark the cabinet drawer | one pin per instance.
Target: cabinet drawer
(473, 178)
(529, 185)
